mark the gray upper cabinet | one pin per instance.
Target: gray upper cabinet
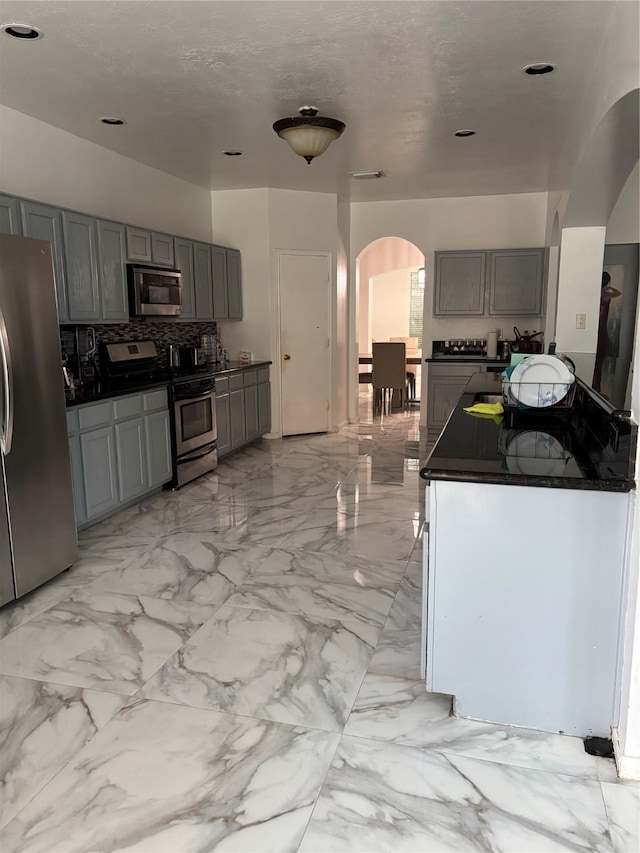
(112, 271)
(220, 291)
(9, 215)
(202, 278)
(183, 254)
(516, 282)
(234, 285)
(459, 284)
(138, 245)
(161, 249)
(45, 223)
(82, 268)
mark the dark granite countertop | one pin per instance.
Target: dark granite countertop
(137, 386)
(592, 450)
(466, 359)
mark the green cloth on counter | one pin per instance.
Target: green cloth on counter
(485, 409)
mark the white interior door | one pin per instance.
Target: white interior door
(304, 280)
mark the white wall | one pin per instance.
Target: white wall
(342, 380)
(44, 163)
(390, 304)
(624, 223)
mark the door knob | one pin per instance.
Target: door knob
(287, 357)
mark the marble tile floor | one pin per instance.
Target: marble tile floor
(236, 666)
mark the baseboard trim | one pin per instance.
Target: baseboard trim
(271, 435)
(628, 765)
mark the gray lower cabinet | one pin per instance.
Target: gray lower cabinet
(132, 461)
(82, 267)
(45, 223)
(203, 281)
(459, 284)
(183, 253)
(243, 408)
(446, 384)
(9, 215)
(120, 450)
(99, 472)
(112, 272)
(516, 282)
(158, 440)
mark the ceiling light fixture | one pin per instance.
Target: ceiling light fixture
(368, 176)
(463, 133)
(112, 120)
(309, 134)
(538, 68)
(22, 31)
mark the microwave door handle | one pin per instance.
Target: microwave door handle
(6, 437)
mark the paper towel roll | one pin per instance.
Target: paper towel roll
(492, 344)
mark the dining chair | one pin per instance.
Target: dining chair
(412, 347)
(389, 374)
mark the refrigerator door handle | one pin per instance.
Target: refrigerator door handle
(6, 436)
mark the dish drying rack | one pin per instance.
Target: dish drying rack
(518, 415)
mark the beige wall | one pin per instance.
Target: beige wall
(47, 164)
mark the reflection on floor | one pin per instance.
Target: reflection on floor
(236, 666)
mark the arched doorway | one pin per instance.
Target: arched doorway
(389, 294)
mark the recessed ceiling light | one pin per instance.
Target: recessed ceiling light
(465, 133)
(374, 174)
(538, 68)
(233, 153)
(22, 31)
(111, 120)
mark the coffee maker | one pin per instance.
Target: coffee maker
(80, 349)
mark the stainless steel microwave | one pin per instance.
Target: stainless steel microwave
(154, 291)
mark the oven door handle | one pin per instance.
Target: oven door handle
(182, 459)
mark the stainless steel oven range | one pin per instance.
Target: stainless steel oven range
(194, 420)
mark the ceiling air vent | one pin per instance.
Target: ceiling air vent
(368, 176)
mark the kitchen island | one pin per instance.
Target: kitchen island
(524, 555)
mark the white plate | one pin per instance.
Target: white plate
(538, 453)
(540, 381)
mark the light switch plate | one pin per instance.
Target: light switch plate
(581, 321)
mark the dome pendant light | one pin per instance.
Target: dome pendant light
(309, 134)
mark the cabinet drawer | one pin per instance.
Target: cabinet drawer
(250, 377)
(436, 370)
(72, 422)
(155, 400)
(263, 374)
(236, 381)
(222, 386)
(127, 407)
(90, 417)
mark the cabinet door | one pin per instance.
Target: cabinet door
(158, 439)
(76, 476)
(264, 407)
(131, 456)
(161, 249)
(251, 412)
(202, 277)
(112, 271)
(183, 252)
(45, 223)
(82, 267)
(97, 449)
(138, 245)
(220, 291)
(459, 284)
(223, 419)
(9, 215)
(515, 282)
(234, 284)
(237, 424)
(444, 393)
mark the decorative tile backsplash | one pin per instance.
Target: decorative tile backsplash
(162, 333)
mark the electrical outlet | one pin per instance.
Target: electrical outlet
(581, 321)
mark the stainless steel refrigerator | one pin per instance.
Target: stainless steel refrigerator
(37, 524)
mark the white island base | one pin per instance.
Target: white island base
(522, 602)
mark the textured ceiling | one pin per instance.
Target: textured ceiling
(192, 79)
